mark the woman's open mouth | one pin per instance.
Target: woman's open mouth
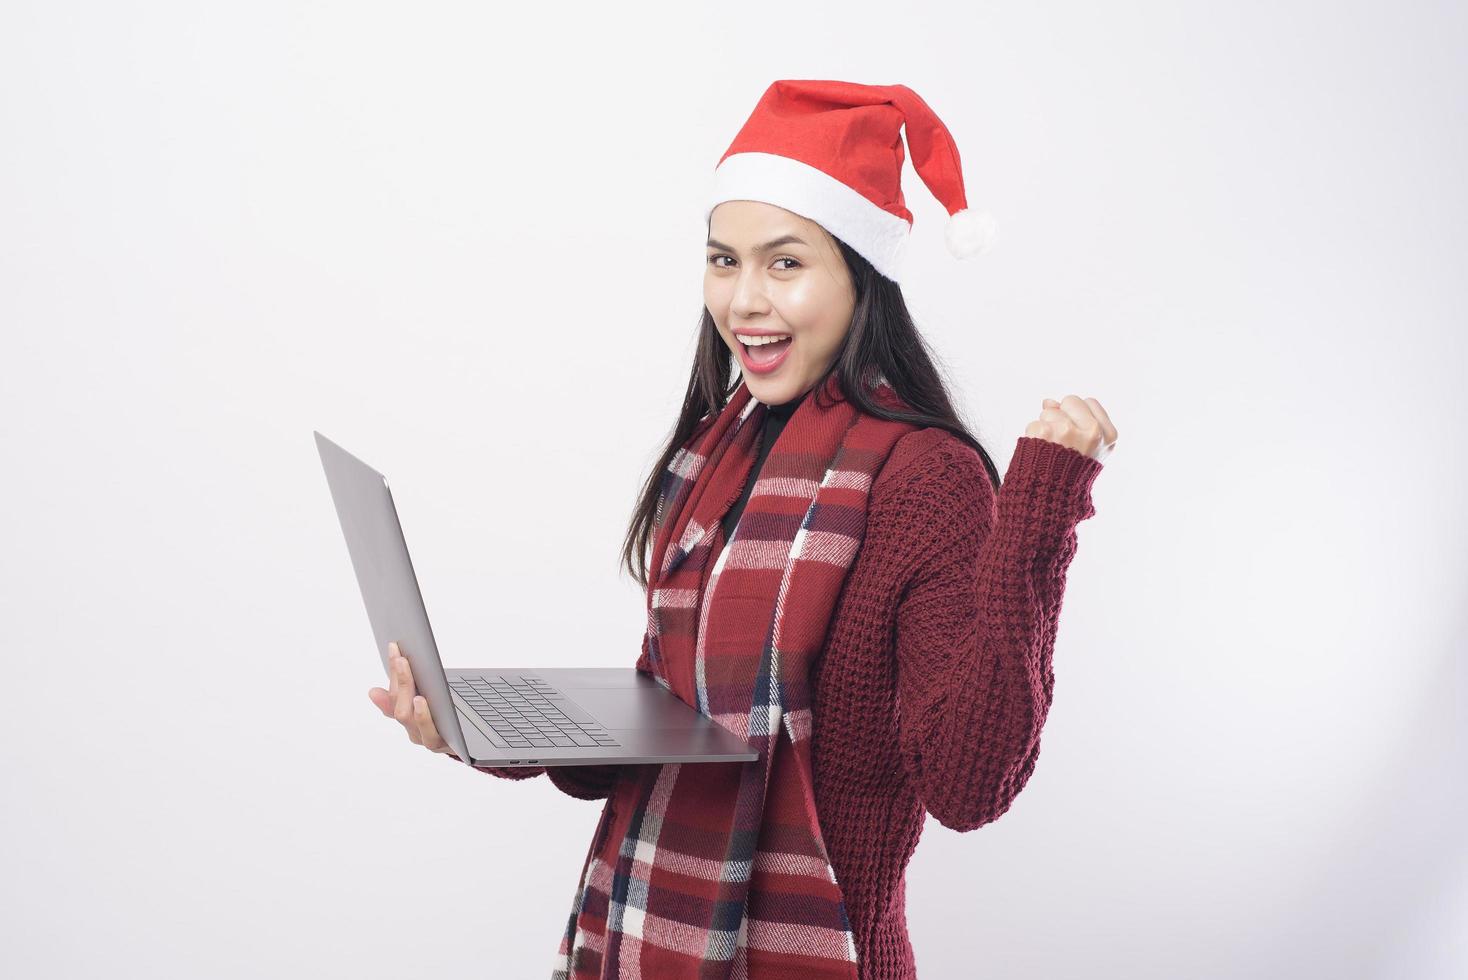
(765, 357)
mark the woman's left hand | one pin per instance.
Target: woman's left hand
(1080, 423)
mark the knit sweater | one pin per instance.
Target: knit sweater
(936, 678)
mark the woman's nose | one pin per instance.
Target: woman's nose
(749, 296)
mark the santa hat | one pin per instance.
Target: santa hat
(832, 152)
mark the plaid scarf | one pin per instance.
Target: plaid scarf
(719, 869)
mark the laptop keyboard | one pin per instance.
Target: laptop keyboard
(526, 712)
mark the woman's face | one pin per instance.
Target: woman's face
(771, 271)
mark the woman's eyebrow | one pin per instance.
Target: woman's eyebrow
(782, 240)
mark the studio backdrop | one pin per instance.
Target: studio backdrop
(449, 236)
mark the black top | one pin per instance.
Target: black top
(775, 418)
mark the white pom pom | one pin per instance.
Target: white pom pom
(970, 233)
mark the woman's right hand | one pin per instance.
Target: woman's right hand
(402, 702)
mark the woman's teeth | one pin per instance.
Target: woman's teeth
(764, 350)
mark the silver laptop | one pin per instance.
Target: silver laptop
(508, 716)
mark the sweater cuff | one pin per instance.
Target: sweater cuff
(1058, 474)
(590, 782)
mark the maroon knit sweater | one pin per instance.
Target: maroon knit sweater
(936, 677)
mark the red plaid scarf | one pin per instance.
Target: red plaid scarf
(719, 869)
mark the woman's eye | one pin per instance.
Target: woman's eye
(713, 260)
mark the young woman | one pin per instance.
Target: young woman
(832, 572)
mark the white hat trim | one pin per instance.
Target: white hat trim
(879, 235)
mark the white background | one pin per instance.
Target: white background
(466, 243)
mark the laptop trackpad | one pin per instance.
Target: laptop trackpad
(635, 708)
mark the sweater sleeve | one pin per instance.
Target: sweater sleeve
(976, 620)
(581, 782)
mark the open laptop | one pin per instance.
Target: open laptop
(508, 716)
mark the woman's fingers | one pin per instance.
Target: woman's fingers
(387, 698)
(403, 711)
(1107, 429)
(1081, 416)
(382, 699)
(392, 672)
(426, 729)
(402, 701)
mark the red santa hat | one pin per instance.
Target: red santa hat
(832, 152)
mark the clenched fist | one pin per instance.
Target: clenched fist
(1080, 423)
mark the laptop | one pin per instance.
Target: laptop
(508, 716)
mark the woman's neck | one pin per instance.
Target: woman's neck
(787, 409)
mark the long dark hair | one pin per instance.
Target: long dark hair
(882, 339)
